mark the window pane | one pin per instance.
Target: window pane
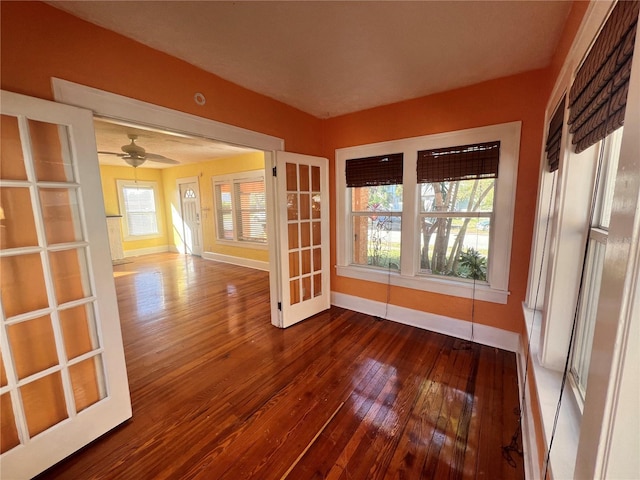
(382, 198)
(377, 240)
(455, 246)
(223, 196)
(140, 209)
(587, 314)
(458, 196)
(250, 211)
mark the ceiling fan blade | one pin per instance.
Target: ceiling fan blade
(154, 157)
(112, 153)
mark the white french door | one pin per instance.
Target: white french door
(190, 206)
(63, 375)
(303, 233)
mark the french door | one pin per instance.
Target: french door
(303, 224)
(63, 379)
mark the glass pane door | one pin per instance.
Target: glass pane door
(304, 227)
(58, 314)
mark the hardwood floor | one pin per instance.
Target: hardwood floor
(219, 393)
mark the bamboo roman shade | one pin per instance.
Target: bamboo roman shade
(372, 171)
(466, 162)
(554, 137)
(598, 96)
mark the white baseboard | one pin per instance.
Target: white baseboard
(146, 251)
(491, 336)
(529, 441)
(243, 262)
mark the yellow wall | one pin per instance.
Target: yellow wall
(109, 174)
(169, 202)
(204, 172)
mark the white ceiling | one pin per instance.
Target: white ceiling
(329, 58)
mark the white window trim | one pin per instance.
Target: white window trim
(249, 175)
(496, 290)
(121, 184)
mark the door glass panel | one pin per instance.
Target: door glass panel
(306, 262)
(305, 234)
(69, 271)
(23, 289)
(317, 285)
(294, 286)
(294, 264)
(305, 206)
(61, 215)
(292, 177)
(78, 330)
(51, 152)
(29, 337)
(293, 236)
(315, 206)
(315, 179)
(306, 288)
(317, 233)
(3, 374)
(86, 380)
(8, 431)
(317, 259)
(44, 403)
(11, 157)
(17, 226)
(304, 178)
(292, 206)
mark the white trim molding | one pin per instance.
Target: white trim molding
(240, 261)
(483, 334)
(130, 111)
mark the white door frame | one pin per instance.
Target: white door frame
(131, 111)
(179, 183)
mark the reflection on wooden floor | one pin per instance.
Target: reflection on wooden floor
(219, 393)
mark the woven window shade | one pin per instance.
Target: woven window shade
(466, 162)
(554, 136)
(372, 171)
(598, 96)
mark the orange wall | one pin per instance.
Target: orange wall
(39, 42)
(519, 97)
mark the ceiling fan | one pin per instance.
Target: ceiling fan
(135, 155)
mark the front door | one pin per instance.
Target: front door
(190, 205)
(63, 380)
(303, 223)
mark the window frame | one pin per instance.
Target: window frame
(234, 179)
(496, 288)
(121, 184)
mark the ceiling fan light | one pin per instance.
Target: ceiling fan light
(134, 161)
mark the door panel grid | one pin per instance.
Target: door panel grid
(303, 198)
(51, 337)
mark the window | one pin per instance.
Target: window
(240, 207)
(376, 210)
(138, 201)
(594, 264)
(456, 205)
(431, 229)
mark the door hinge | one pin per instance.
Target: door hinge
(274, 170)
(280, 306)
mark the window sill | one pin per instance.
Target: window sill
(237, 243)
(428, 284)
(548, 382)
(133, 238)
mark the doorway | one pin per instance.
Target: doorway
(189, 192)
